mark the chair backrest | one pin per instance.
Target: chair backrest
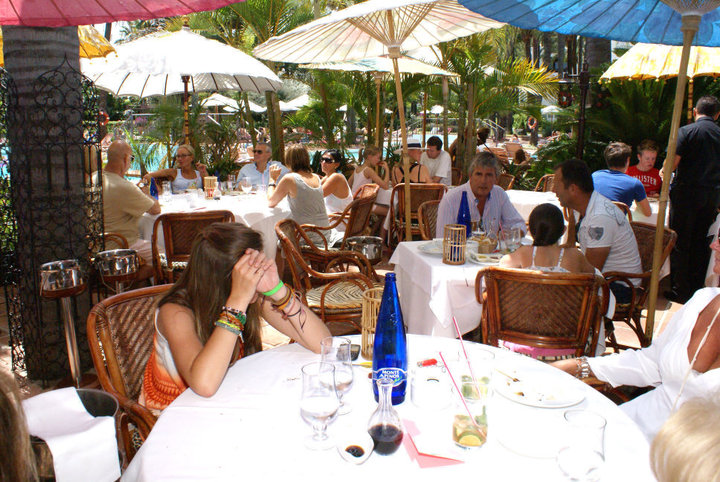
(358, 212)
(624, 208)
(457, 176)
(120, 333)
(179, 231)
(427, 214)
(512, 148)
(545, 184)
(115, 240)
(291, 235)
(500, 153)
(546, 310)
(645, 237)
(506, 181)
(367, 190)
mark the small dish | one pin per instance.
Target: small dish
(355, 447)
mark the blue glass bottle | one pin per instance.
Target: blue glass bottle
(390, 346)
(463, 216)
(153, 189)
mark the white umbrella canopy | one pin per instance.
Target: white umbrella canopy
(294, 104)
(381, 64)
(372, 29)
(219, 100)
(168, 63)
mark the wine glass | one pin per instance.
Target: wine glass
(319, 403)
(337, 351)
(231, 181)
(245, 185)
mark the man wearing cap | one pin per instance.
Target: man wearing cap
(489, 203)
(418, 172)
(437, 161)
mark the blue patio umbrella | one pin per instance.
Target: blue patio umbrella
(671, 22)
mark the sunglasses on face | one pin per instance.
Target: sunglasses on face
(327, 159)
(259, 151)
(182, 155)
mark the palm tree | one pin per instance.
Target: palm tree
(48, 182)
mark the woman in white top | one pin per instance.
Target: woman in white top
(335, 186)
(186, 175)
(547, 225)
(366, 173)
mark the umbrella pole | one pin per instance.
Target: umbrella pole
(446, 95)
(378, 128)
(689, 26)
(186, 119)
(424, 123)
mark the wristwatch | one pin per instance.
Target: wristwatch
(272, 184)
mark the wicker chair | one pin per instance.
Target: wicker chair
(419, 193)
(624, 208)
(457, 176)
(120, 333)
(427, 213)
(545, 310)
(501, 154)
(117, 239)
(545, 184)
(355, 217)
(631, 313)
(506, 181)
(179, 231)
(512, 148)
(334, 294)
(367, 190)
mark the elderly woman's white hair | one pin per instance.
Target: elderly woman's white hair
(687, 447)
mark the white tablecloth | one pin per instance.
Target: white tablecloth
(251, 210)
(431, 292)
(252, 428)
(525, 202)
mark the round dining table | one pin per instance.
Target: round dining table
(252, 427)
(249, 209)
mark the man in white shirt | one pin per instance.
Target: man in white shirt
(604, 233)
(258, 171)
(489, 203)
(437, 161)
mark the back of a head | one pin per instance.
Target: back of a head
(546, 224)
(482, 135)
(297, 158)
(617, 154)
(707, 105)
(17, 460)
(687, 447)
(520, 156)
(435, 141)
(484, 159)
(116, 153)
(576, 172)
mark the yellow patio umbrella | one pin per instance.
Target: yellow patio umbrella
(655, 61)
(92, 44)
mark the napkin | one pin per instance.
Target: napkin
(423, 450)
(83, 447)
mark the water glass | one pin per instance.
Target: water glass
(231, 181)
(166, 191)
(338, 352)
(585, 458)
(245, 185)
(319, 402)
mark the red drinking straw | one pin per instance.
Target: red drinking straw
(457, 389)
(462, 345)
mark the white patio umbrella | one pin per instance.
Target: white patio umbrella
(372, 29)
(380, 66)
(168, 63)
(219, 100)
(295, 104)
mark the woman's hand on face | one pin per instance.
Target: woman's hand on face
(270, 279)
(246, 273)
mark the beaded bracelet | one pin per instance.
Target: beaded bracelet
(274, 290)
(582, 369)
(237, 314)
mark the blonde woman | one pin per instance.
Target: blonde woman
(366, 172)
(186, 174)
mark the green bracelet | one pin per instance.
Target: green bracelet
(232, 329)
(274, 290)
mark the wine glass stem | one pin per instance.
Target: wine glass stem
(319, 430)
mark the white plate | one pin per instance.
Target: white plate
(435, 247)
(536, 390)
(355, 440)
(484, 259)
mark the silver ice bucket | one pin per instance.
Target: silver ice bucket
(117, 262)
(61, 278)
(369, 246)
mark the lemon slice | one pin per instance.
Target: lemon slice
(470, 440)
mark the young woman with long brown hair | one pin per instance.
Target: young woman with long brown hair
(211, 316)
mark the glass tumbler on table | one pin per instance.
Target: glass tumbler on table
(337, 351)
(166, 191)
(319, 402)
(245, 185)
(585, 458)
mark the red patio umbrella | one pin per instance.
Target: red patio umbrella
(61, 13)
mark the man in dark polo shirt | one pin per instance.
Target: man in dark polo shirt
(694, 198)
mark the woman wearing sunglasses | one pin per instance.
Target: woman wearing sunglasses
(186, 174)
(335, 187)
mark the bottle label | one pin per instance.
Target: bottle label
(397, 375)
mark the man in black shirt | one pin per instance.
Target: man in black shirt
(694, 198)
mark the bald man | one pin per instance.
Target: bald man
(124, 203)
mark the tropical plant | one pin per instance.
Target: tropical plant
(220, 142)
(145, 151)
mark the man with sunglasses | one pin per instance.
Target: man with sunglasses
(258, 171)
(124, 203)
